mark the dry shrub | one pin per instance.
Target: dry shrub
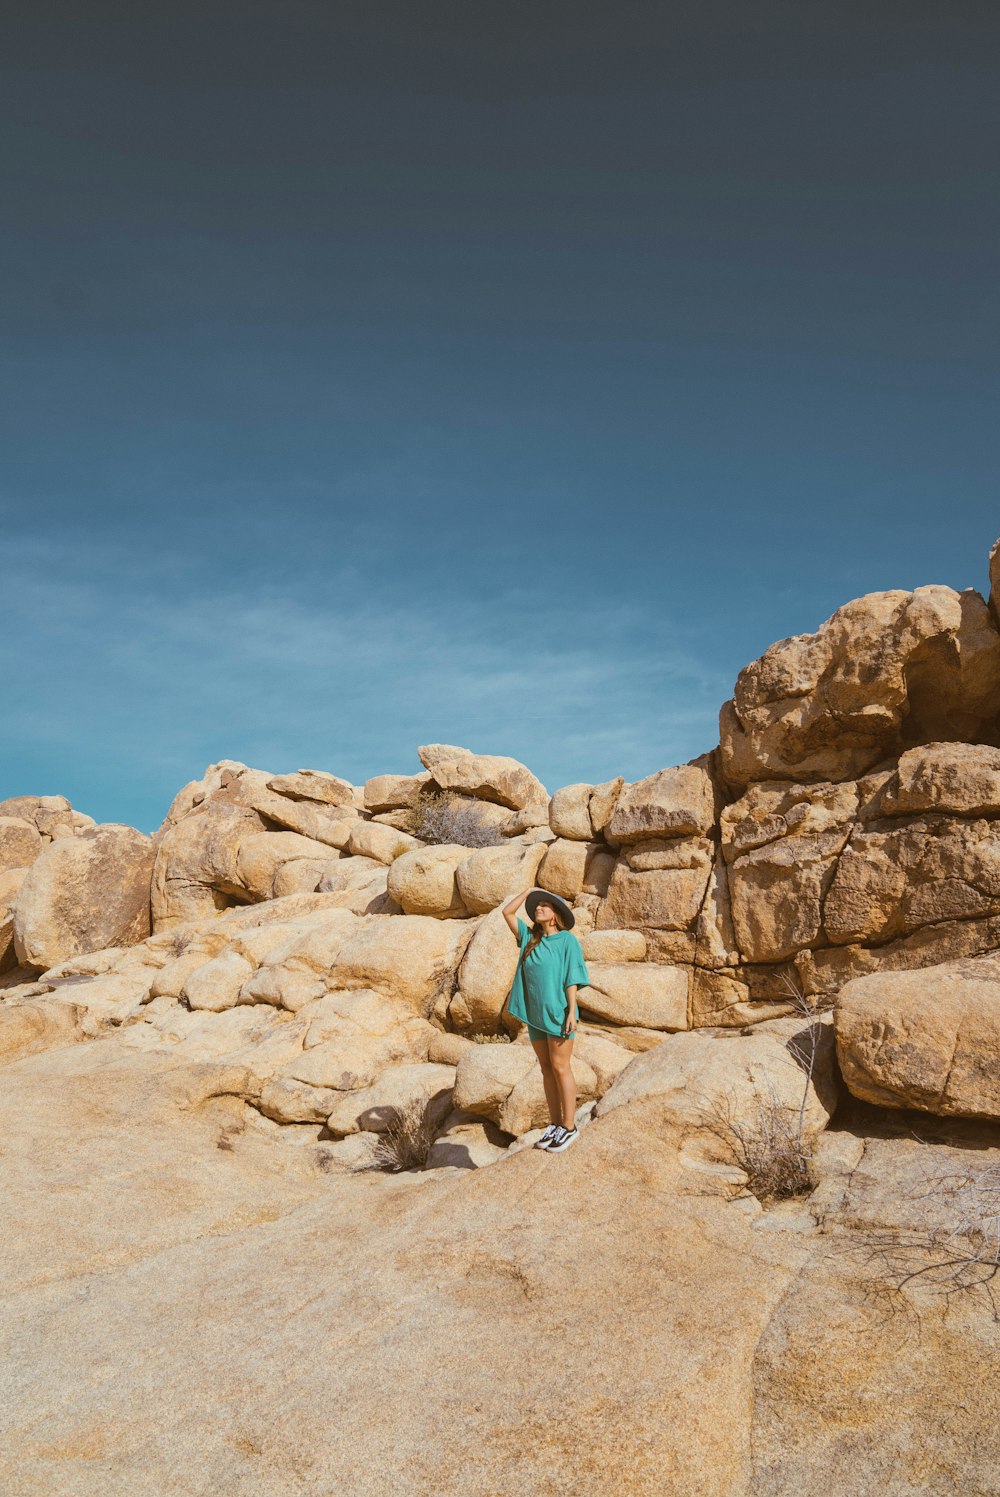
(960, 1253)
(438, 819)
(490, 1039)
(770, 1145)
(767, 1146)
(406, 1142)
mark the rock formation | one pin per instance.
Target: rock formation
(801, 925)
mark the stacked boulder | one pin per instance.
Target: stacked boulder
(339, 948)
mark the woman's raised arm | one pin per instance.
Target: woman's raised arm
(513, 905)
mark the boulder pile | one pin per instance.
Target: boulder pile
(340, 948)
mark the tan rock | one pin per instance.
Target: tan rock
(961, 778)
(569, 812)
(491, 777)
(715, 933)
(929, 1039)
(422, 882)
(216, 984)
(412, 957)
(895, 876)
(563, 869)
(533, 818)
(689, 1079)
(489, 875)
(302, 875)
(375, 1107)
(289, 1101)
(84, 893)
(830, 705)
(676, 802)
(485, 975)
(261, 855)
(504, 1083)
(614, 946)
(598, 874)
(643, 993)
(603, 801)
(777, 894)
(447, 1049)
(675, 947)
(677, 852)
(38, 1024)
(370, 839)
(314, 784)
(20, 843)
(663, 899)
(194, 874)
(391, 792)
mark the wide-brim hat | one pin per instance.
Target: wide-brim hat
(542, 896)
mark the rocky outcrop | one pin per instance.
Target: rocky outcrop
(83, 893)
(928, 1040)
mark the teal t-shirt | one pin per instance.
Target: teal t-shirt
(538, 996)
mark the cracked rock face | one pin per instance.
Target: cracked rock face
(929, 1040)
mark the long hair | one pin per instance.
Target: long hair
(537, 932)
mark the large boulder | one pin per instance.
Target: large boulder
(884, 671)
(394, 792)
(696, 1081)
(650, 994)
(564, 867)
(488, 876)
(491, 777)
(928, 1039)
(314, 785)
(374, 1108)
(675, 802)
(84, 893)
(34, 1025)
(422, 882)
(195, 873)
(20, 843)
(655, 899)
(485, 976)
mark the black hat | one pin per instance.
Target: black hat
(542, 896)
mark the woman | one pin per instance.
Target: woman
(549, 971)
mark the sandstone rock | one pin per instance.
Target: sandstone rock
(289, 1101)
(563, 869)
(352, 1036)
(20, 843)
(370, 839)
(301, 875)
(929, 1039)
(489, 875)
(422, 882)
(484, 976)
(391, 792)
(715, 933)
(466, 1142)
(216, 984)
(897, 875)
(828, 706)
(34, 1025)
(569, 812)
(676, 802)
(504, 1083)
(962, 778)
(692, 1080)
(261, 855)
(614, 946)
(491, 777)
(412, 957)
(597, 875)
(314, 784)
(83, 893)
(195, 872)
(643, 993)
(603, 801)
(447, 1049)
(375, 1107)
(677, 852)
(533, 818)
(663, 899)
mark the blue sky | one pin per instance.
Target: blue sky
(510, 379)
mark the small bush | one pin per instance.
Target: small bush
(406, 1141)
(490, 1039)
(438, 819)
(767, 1146)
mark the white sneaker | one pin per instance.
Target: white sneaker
(564, 1137)
(547, 1136)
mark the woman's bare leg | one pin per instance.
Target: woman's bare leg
(561, 1056)
(553, 1095)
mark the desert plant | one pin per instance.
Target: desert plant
(406, 1141)
(770, 1146)
(490, 1039)
(438, 818)
(956, 1254)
